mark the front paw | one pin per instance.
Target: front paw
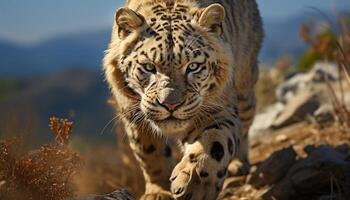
(190, 180)
(160, 195)
(183, 179)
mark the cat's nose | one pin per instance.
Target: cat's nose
(170, 99)
(170, 103)
(171, 106)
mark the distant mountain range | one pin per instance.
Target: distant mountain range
(79, 94)
(282, 38)
(86, 49)
(80, 49)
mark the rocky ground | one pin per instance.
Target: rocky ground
(299, 162)
(303, 161)
(300, 145)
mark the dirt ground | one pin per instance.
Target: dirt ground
(103, 174)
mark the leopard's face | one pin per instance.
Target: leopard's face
(174, 65)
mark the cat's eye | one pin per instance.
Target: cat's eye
(193, 67)
(149, 67)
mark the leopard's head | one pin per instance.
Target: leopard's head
(171, 58)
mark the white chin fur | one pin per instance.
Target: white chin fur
(174, 129)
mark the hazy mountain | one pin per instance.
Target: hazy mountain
(78, 94)
(80, 49)
(282, 38)
(77, 49)
(10, 55)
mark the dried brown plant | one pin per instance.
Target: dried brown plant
(40, 174)
(335, 46)
(62, 129)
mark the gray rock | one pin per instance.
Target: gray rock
(324, 114)
(309, 180)
(325, 154)
(313, 176)
(290, 87)
(330, 197)
(282, 191)
(322, 163)
(274, 168)
(343, 149)
(265, 119)
(116, 195)
(297, 109)
(320, 73)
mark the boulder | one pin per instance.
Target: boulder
(324, 114)
(343, 149)
(121, 194)
(290, 87)
(264, 119)
(282, 191)
(320, 73)
(323, 166)
(302, 96)
(297, 109)
(314, 175)
(274, 168)
(325, 155)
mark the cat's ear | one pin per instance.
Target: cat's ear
(127, 21)
(212, 17)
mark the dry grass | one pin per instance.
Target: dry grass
(268, 82)
(338, 50)
(50, 172)
(107, 168)
(40, 174)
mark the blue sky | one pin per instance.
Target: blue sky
(31, 21)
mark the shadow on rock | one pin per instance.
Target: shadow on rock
(323, 174)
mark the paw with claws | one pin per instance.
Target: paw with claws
(191, 180)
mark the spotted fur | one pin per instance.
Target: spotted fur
(185, 69)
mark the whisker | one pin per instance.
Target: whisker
(132, 108)
(104, 128)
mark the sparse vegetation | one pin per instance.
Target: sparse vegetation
(45, 173)
(268, 82)
(323, 45)
(331, 45)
